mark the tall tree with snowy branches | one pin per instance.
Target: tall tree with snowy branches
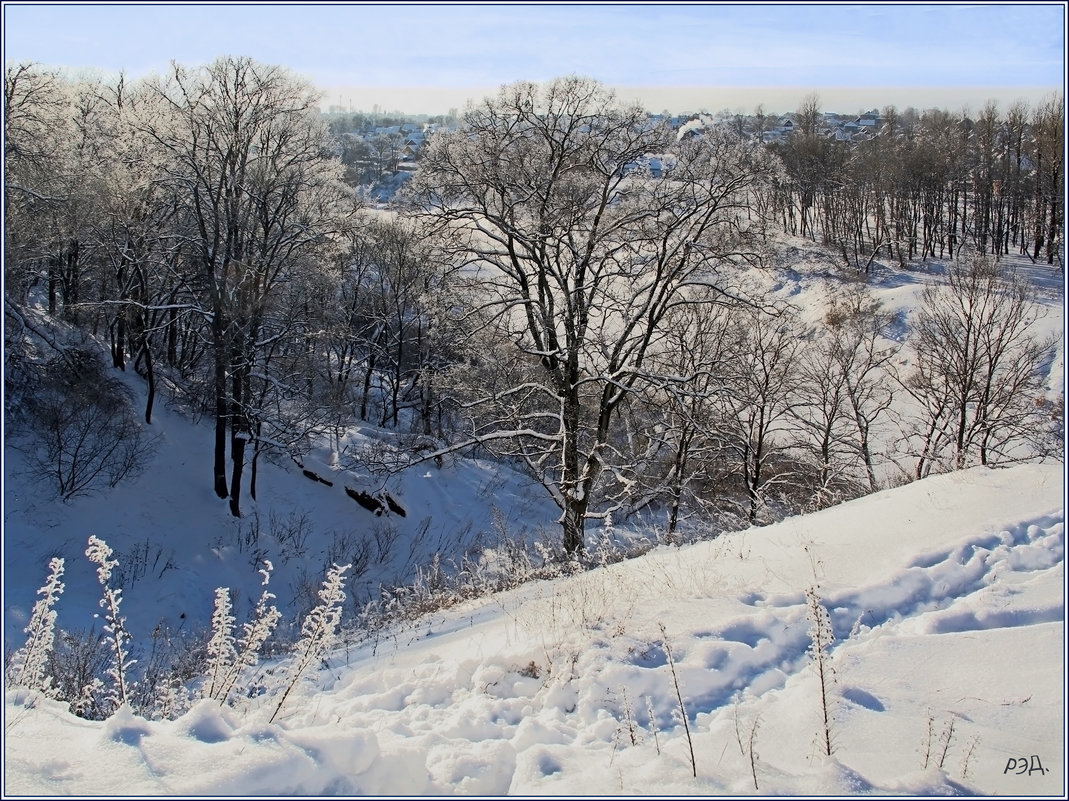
(584, 223)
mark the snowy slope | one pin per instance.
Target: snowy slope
(176, 541)
(946, 597)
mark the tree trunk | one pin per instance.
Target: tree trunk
(172, 337)
(71, 281)
(574, 523)
(676, 486)
(53, 283)
(866, 449)
(254, 468)
(576, 500)
(1055, 217)
(221, 411)
(368, 373)
(237, 454)
(150, 377)
(752, 476)
(239, 434)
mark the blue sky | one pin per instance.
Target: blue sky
(438, 54)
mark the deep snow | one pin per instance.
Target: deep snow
(947, 602)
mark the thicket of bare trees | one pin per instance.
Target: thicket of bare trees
(567, 285)
(927, 184)
(976, 376)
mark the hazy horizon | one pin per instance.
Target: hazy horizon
(429, 58)
(691, 99)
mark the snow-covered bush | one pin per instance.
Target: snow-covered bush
(222, 655)
(228, 657)
(30, 664)
(114, 625)
(318, 632)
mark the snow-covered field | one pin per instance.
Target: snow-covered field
(946, 597)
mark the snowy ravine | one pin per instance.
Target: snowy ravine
(947, 600)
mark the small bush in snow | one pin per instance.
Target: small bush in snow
(227, 657)
(747, 742)
(653, 724)
(945, 739)
(319, 631)
(222, 655)
(679, 697)
(969, 751)
(928, 740)
(166, 666)
(82, 431)
(114, 625)
(74, 664)
(29, 667)
(821, 637)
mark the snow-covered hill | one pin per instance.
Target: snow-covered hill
(176, 541)
(946, 598)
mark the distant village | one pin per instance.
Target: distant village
(380, 151)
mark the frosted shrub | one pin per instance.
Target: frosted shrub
(114, 625)
(264, 620)
(821, 637)
(318, 632)
(227, 658)
(29, 667)
(172, 700)
(222, 655)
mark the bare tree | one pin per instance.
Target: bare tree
(823, 420)
(403, 275)
(844, 391)
(39, 184)
(76, 424)
(977, 373)
(674, 428)
(248, 158)
(385, 153)
(578, 251)
(864, 357)
(1048, 128)
(761, 393)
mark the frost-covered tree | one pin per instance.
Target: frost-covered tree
(584, 223)
(247, 155)
(36, 186)
(977, 371)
